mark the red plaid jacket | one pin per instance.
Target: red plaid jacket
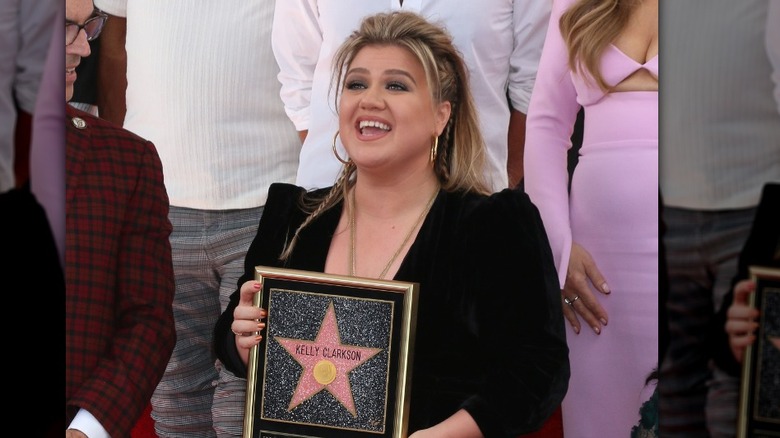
(119, 329)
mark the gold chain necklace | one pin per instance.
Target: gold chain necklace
(398, 251)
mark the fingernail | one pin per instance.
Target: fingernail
(605, 287)
(597, 330)
(261, 325)
(256, 285)
(576, 330)
(603, 321)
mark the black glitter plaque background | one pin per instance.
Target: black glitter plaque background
(759, 403)
(768, 382)
(362, 323)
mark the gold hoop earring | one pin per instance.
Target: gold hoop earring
(335, 152)
(434, 148)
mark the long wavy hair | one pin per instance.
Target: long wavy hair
(588, 27)
(459, 164)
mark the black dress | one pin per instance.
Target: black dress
(490, 331)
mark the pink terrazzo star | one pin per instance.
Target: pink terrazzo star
(332, 361)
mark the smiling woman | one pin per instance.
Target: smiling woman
(386, 87)
(412, 204)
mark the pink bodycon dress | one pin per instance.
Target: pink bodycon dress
(612, 212)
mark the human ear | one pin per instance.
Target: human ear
(442, 115)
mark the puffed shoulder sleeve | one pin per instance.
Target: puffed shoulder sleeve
(518, 317)
(279, 216)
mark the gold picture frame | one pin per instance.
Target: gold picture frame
(335, 358)
(759, 401)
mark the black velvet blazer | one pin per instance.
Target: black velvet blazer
(490, 331)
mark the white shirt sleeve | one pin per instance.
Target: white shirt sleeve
(296, 39)
(88, 424)
(773, 45)
(117, 8)
(530, 26)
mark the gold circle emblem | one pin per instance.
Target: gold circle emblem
(324, 372)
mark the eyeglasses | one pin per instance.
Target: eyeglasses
(92, 28)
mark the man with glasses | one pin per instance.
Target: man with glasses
(202, 85)
(119, 329)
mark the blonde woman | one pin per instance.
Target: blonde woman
(602, 56)
(412, 204)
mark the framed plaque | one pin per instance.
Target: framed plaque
(335, 358)
(759, 404)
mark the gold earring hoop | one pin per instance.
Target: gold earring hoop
(335, 152)
(434, 148)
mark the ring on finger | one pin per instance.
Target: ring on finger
(571, 301)
(242, 334)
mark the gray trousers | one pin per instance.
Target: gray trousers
(702, 249)
(208, 258)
